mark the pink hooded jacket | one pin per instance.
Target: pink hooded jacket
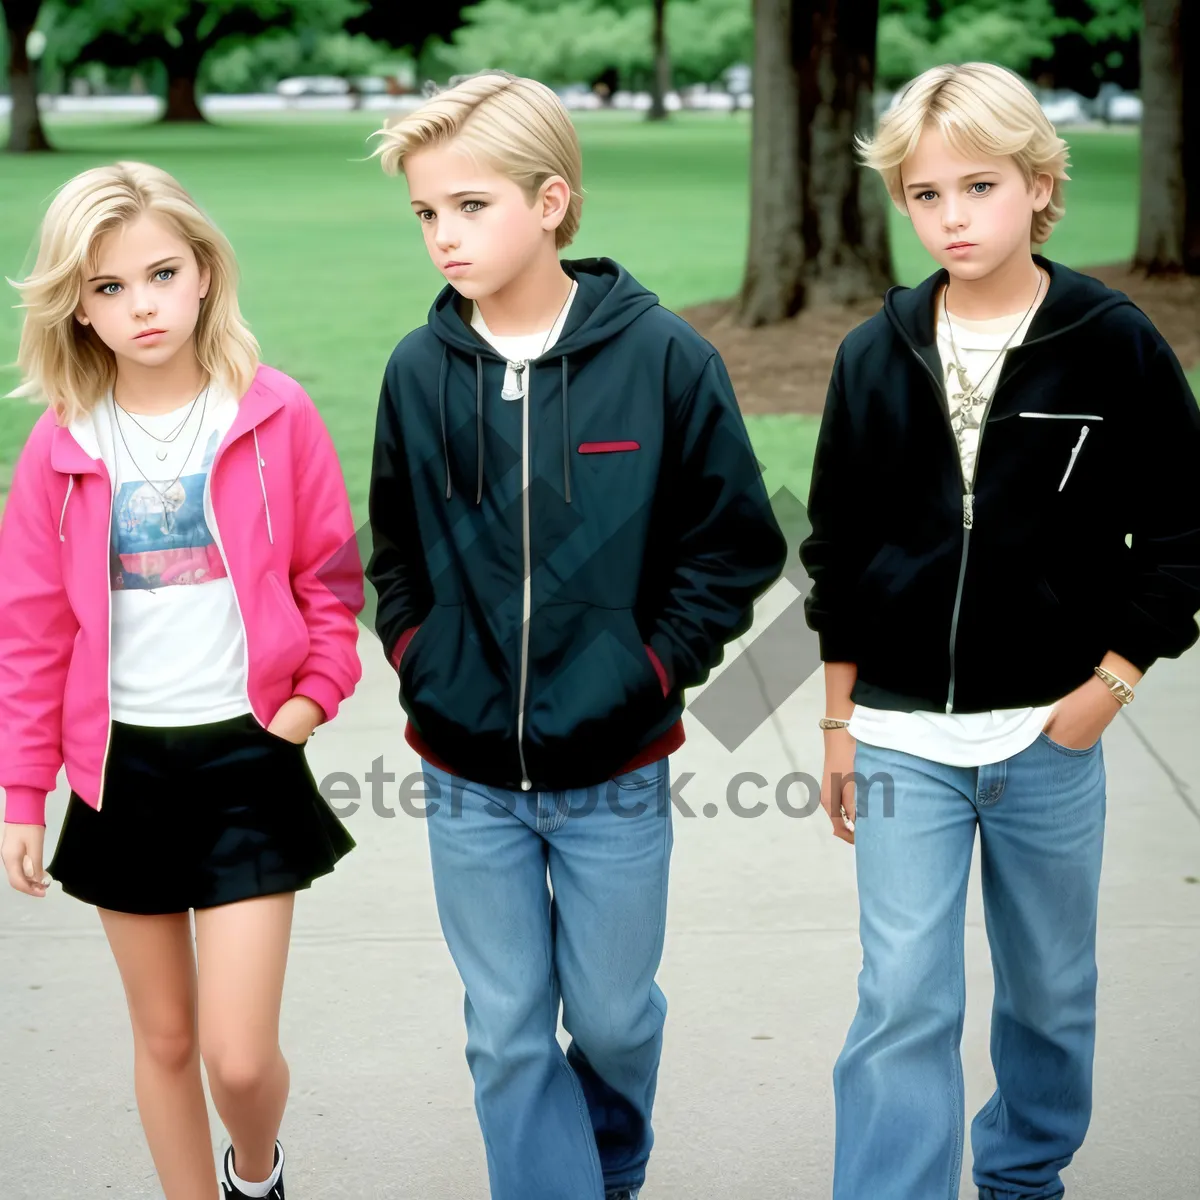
(285, 529)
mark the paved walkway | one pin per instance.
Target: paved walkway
(759, 971)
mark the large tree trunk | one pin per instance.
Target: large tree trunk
(1165, 200)
(818, 222)
(661, 82)
(25, 132)
(1190, 43)
(183, 65)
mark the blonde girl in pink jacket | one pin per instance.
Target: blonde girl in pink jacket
(179, 586)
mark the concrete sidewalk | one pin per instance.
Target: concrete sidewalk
(760, 967)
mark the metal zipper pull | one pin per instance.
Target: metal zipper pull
(518, 369)
(968, 510)
(1074, 455)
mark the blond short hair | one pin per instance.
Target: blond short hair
(517, 126)
(64, 363)
(978, 108)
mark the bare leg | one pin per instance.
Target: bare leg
(242, 951)
(158, 970)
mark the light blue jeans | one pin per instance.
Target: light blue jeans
(898, 1082)
(558, 1126)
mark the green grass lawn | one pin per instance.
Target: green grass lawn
(334, 271)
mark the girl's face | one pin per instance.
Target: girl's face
(142, 292)
(481, 229)
(971, 214)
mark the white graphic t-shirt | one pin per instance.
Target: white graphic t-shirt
(178, 644)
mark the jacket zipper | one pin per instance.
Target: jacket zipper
(968, 516)
(112, 504)
(527, 600)
(1074, 455)
(216, 532)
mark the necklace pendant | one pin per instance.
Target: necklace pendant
(507, 393)
(161, 455)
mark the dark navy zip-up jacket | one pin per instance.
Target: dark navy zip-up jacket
(571, 562)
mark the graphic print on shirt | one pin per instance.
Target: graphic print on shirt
(160, 535)
(967, 406)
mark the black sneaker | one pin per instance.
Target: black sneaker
(232, 1193)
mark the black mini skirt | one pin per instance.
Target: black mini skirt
(195, 817)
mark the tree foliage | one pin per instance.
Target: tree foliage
(581, 40)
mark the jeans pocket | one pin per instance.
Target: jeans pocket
(1069, 751)
(640, 777)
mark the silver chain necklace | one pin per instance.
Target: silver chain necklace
(967, 390)
(161, 455)
(519, 367)
(168, 518)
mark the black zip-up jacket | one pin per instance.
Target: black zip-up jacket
(1080, 534)
(632, 501)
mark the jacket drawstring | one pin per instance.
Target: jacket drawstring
(63, 515)
(479, 428)
(445, 370)
(262, 483)
(566, 435)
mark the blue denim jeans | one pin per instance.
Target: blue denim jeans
(898, 1082)
(549, 898)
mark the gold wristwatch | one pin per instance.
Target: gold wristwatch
(1121, 691)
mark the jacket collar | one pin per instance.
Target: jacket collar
(1072, 299)
(75, 448)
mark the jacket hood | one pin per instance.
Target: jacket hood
(1072, 300)
(607, 302)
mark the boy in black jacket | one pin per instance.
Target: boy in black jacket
(569, 525)
(1005, 536)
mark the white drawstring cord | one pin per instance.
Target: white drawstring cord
(63, 515)
(262, 484)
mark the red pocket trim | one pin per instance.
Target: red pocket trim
(402, 645)
(606, 447)
(659, 670)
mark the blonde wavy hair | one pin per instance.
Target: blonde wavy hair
(979, 108)
(64, 363)
(517, 126)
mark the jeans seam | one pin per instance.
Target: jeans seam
(661, 934)
(585, 1119)
(956, 1065)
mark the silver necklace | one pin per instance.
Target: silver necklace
(968, 391)
(519, 367)
(168, 518)
(161, 455)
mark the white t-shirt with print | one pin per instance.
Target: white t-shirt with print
(178, 644)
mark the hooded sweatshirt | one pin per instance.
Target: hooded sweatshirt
(552, 572)
(1079, 532)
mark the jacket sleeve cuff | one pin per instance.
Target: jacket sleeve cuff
(1135, 652)
(24, 806)
(837, 646)
(401, 645)
(322, 691)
